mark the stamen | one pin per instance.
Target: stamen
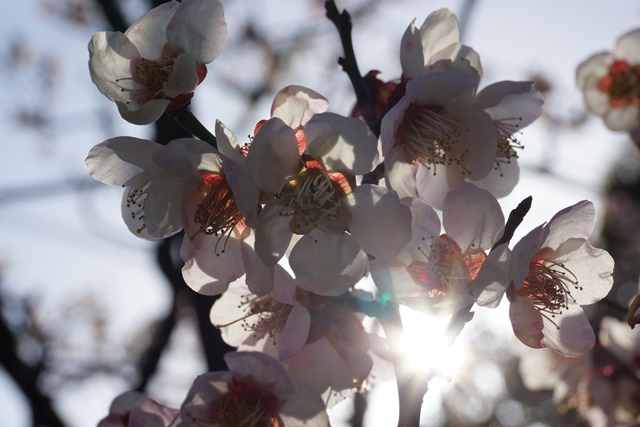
(508, 143)
(432, 139)
(136, 197)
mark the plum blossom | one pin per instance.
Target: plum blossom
(436, 273)
(434, 137)
(320, 339)
(553, 271)
(512, 106)
(438, 38)
(158, 62)
(610, 83)
(183, 185)
(132, 409)
(316, 198)
(256, 391)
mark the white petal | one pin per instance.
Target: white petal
(493, 279)
(592, 267)
(390, 123)
(345, 144)
(501, 182)
(623, 119)
(400, 175)
(379, 222)
(433, 188)
(259, 277)
(597, 101)
(131, 217)
(440, 88)
(522, 254)
(295, 332)
(143, 114)
(439, 31)
(628, 47)
(199, 27)
(574, 221)
(264, 371)
(304, 408)
(527, 322)
(245, 192)
(148, 33)
(273, 156)
(184, 156)
(328, 264)
(472, 217)
(589, 72)
(295, 105)
(116, 161)
(425, 224)
(517, 104)
(272, 233)
(110, 56)
(573, 336)
(184, 78)
(228, 143)
(163, 206)
(411, 55)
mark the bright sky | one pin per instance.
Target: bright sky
(63, 247)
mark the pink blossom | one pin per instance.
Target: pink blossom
(132, 409)
(610, 83)
(256, 391)
(158, 62)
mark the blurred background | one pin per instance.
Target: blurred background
(88, 310)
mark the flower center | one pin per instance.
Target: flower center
(218, 213)
(548, 286)
(432, 139)
(622, 84)
(447, 270)
(264, 316)
(313, 199)
(246, 405)
(136, 196)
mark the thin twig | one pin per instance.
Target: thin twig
(189, 122)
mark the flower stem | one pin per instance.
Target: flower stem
(188, 121)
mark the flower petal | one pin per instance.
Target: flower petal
(143, 114)
(272, 233)
(118, 160)
(574, 221)
(411, 52)
(148, 33)
(295, 332)
(400, 175)
(501, 181)
(623, 119)
(516, 104)
(628, 46)
(572, 336)
(184, 78)
(295, 105)
(434, 187)
(527, 322)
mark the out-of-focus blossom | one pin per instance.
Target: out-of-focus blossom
(183, 185)
(316, 198)
(633, 314)
(319, 339)
(159, 61)
(437, 273)
(256, 391)
(438, 38)
(554, 270)
(512, 106)
(434, 137)
(610, 82)
(132, 409)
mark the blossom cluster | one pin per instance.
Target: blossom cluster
(289, 226)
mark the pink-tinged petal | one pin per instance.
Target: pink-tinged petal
(295, 332)
(304, 408)
(390, 123)
(522, 254)
(628, 47)
(328, 264)
(501, 182)
(526, 321)
(633, 315)
(574, 221)
(493, 279)
(379, 222)
(198, 27)
(110, 56)
(472, 217)
(589, 72)
(592, 267)
(272, 233)
(273, 156)
(118, 160)
(411, 56)
(400, 175)
(163, 206)
(132, 409)
(440, 88)
(515, 104)
(478, 140)
(623, 119)
(143, 114)
(345, 144)
(295, 105)
(425, 225)
(264, 371)
(206, 391)
(228, 143)
(211, 263)
(184, 78)
(433, 188)
(570, 333)
(148, 33)
(245, 192)
(438, 32)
